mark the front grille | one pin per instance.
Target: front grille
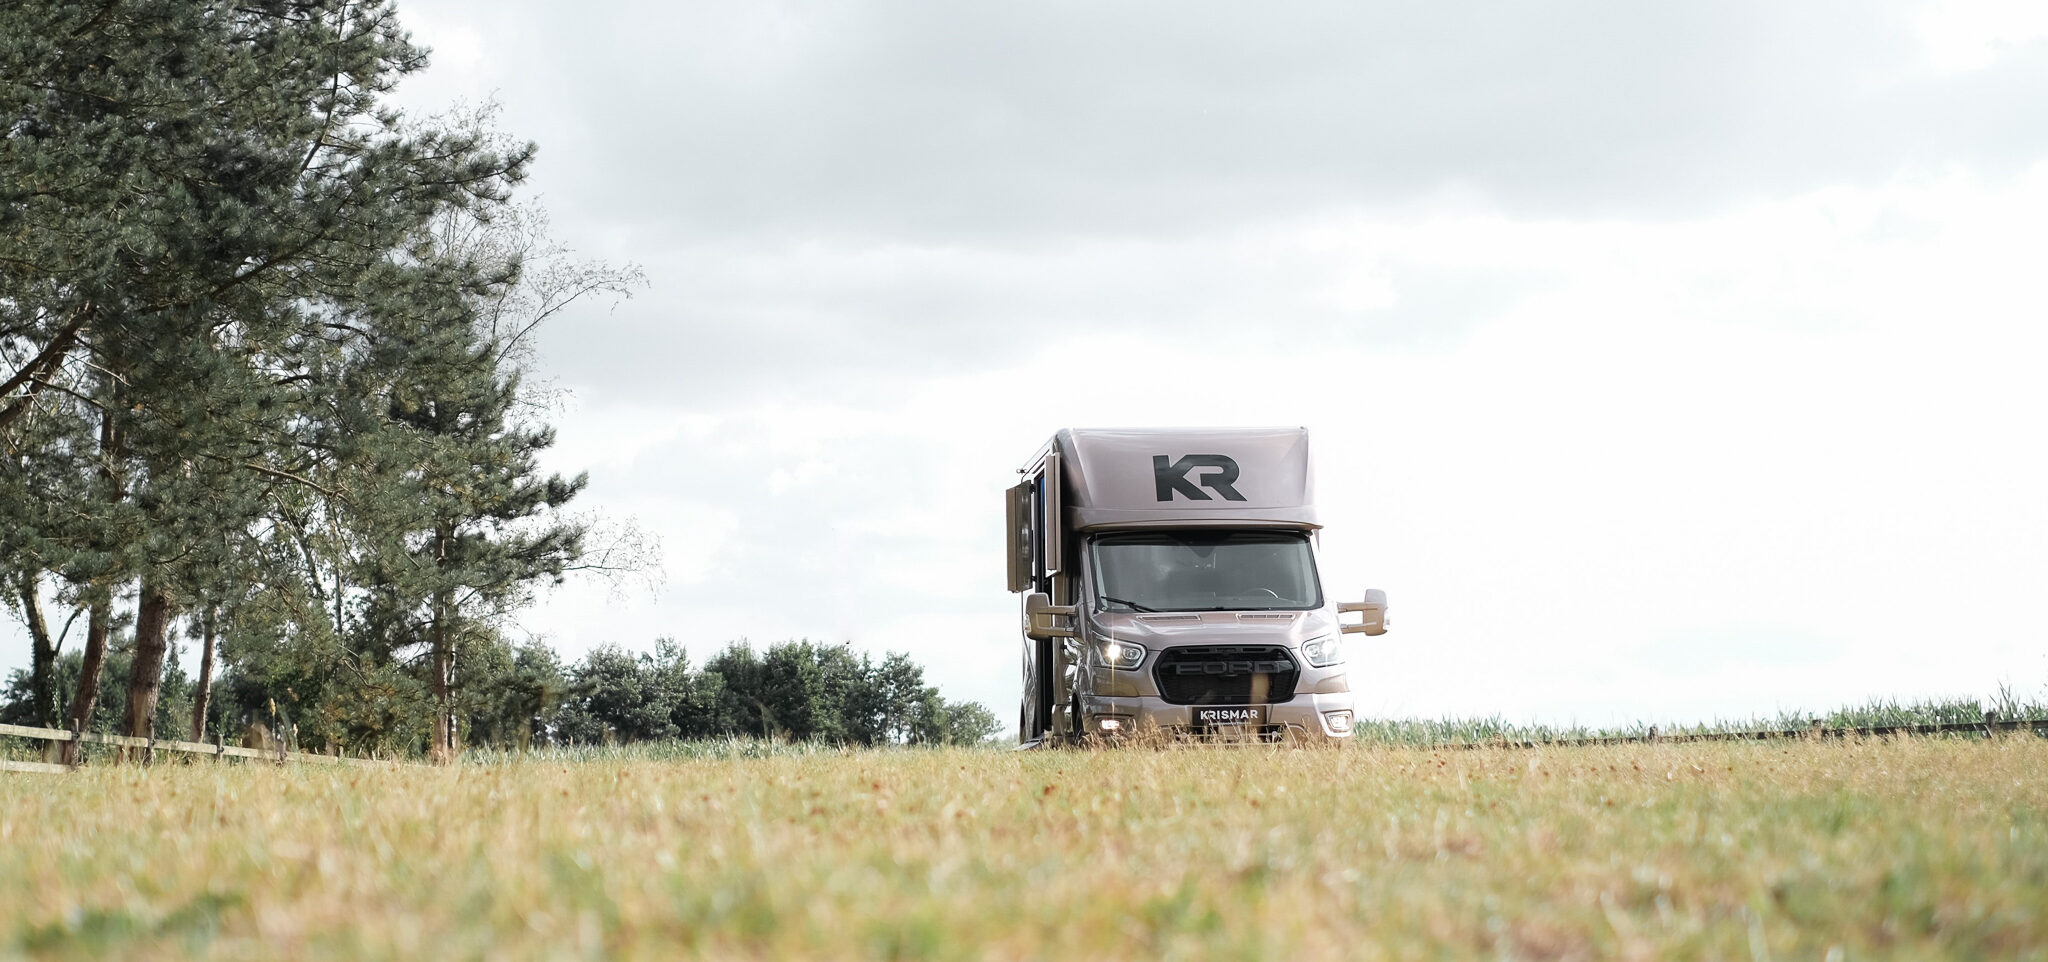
(1226, 675)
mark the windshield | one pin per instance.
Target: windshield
(1205, 571)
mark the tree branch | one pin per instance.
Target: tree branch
(41, 365)
(287, 476)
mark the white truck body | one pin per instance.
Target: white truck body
(1170, 583)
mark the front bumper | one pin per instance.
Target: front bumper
(1306, 715)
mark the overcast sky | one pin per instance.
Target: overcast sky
(1662, 361)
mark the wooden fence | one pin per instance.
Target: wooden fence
(150, 746)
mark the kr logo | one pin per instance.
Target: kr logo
(1170, 478)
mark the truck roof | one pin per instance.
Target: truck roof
(1129, 476)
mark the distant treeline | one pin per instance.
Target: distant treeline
(2006, 705)
(521, 697)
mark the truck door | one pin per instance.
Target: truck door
(1033, 512)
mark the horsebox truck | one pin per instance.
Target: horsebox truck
(1169, 585)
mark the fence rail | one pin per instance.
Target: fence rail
(46, 768)
(217, 749)
(1987, 727)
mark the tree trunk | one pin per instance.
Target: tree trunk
(98, 621)
(146, 673)
(340, 624)
(43, 666)
(444, 687)
(444, 656)
(200, 698)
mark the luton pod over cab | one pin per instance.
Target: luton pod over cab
(1169, 584)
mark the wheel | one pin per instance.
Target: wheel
(1027, 714)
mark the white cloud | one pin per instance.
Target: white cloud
(1966, 35)
(459, 48)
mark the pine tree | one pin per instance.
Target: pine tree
(465, 521)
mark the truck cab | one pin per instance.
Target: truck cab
(1169, 584)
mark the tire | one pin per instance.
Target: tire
(1079, 726)
(1045, 686)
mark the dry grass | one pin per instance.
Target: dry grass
(1897, 849)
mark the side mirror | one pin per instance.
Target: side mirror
(1372, 614)
(1043, 619)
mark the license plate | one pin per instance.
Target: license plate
(1230, 716)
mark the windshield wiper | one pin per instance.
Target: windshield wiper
(1134, 606)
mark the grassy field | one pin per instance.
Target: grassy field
(1905, 849)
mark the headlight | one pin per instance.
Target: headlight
(1324, 651)
(1121, 654)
